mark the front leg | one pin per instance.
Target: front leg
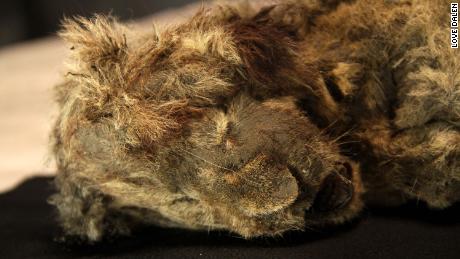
(426, 71)
(86, 214)
(423, 150)
(424, 164)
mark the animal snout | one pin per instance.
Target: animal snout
(263, 186)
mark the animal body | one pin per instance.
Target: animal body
(257, 120)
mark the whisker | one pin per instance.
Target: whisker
(413, 185)
(328, 126)
(344, 134)
(348, 142)
(248, 181)
(206, 161)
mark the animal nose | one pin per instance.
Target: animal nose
(287, 188)
(336, 190)
(263, 186)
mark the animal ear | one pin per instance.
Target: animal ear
(294, 18)
(264, 49)
(98, 43)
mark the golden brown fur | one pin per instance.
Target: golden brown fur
(257, 121)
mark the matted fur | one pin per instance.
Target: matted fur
(257, 121)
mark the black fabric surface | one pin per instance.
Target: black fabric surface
(27, 230)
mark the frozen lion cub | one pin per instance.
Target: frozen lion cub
(257, 121)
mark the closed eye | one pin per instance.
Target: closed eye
(333, 88)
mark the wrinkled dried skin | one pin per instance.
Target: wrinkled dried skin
(257, 121)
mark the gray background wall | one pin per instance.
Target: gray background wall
(28, 19)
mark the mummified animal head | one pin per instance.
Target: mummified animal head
(197, 127)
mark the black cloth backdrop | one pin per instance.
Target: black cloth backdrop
(28, 227)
